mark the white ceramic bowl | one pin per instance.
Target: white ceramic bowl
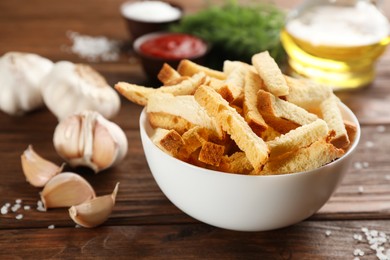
(241, 202)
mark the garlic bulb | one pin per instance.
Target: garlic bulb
(72, 88)
(20, 75)
(88, 139)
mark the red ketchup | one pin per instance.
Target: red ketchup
(174, 46)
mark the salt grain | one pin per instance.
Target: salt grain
(387, 177)
(358, 165)
(26, 207)
(40, 206)
(93, 48)
(357, 237)
(369, 144)
(15, 207)
(18, 201)
(388, 253)
(51, 227)
(373, 233)
(377, 241)
(328, 233)
(358, 252)
(41, 209)
(381, 256)
(4, 210)
(19, 216)
(380, 128)
(360, 189)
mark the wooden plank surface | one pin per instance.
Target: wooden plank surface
(144, 223)
(141, 200)
(307, 240)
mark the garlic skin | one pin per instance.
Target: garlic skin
(66, 189)
(72, 88)
(88, 139)
(37, 170)
(94, 212)
(20, 77)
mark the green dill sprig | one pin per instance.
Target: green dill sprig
(237, 32)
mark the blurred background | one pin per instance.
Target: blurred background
(48, 26)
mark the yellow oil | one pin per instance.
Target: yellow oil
(342, 67)
(335, 42)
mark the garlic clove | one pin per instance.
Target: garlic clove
(38, 171)
(94, 212)
(67, 139)
(66, 189)
(119, 137)
(104, 147)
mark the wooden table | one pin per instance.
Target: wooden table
(144, 224)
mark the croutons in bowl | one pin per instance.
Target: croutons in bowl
(245, 202)
(246, 148)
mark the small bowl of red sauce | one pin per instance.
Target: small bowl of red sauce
(155, 49)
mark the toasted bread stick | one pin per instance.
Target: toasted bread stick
(283, 116)
(189, 68)
(304, 159)
(167, 140)
(168, 74)
(300, 137)
(234, 124)
(252, 85)
(185, 107)
(305, 93)
(140, 94)
(332, 116)
(270, 73)
(211, 153)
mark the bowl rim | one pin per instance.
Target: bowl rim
(140, 40)
(143, 122)
(175, 5)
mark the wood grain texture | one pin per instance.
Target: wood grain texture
(144, 223)
(139, 198)
(307, 240)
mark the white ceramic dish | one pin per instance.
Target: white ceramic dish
(240, 202)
